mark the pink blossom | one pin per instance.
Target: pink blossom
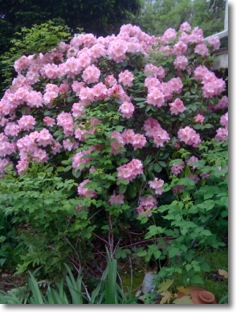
(44, 138)
(69, 145)
(156, 98)
(99, 91)
(3, 165)
(91, 74)
(27, 122)
(180, 48)
(189, 136)
(110, 81)
(81, 158)
(155, 131)
(191, 160)
(136, 139)
(177, 107)
(84, 191)
(199, 118)
(181, 62)
(117, 143)
(56, 147)
(130, 170)
(40, 155)
(222, 134)
(126, 78)
(214, 42)
(22, 166)
(177, 189)
(78, 109)
(224, 120)
(194, 177)
(116, 199)
(146, 204)
(65, 120)
(117, 49)
(155, 71)
(169, 35)
(201, 49)
(50, 122)
(222, 103)
(157, 185)
(185, 27)
(177, 168)
(127, 109)
(12, 129)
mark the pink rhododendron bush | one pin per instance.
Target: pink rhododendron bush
(138, 122)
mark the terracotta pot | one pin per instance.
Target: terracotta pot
(203, 297)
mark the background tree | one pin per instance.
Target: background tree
(155, 16)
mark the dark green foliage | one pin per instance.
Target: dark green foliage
(43, 38)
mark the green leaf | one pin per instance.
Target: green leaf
(173, 251)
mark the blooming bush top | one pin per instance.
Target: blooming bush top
(105, 105)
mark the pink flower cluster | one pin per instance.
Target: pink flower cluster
(222, 133)
(155, 131)
(181, 62)
(126, 78)
(130, 170)
(157, 185)
(116, 199)
(177, 107)
(84, 191)
(146, 204)
(212, 86)
(189, 136)
(177, 168)
(127, 109)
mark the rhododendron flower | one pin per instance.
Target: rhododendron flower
(12, 129)
(177, 107)
(110, 81)
(156, 98)
(199, 118)
(50, 122)
(81, 158)
(189, 136)
(222, 134)
(136, 139)
(181, 62)
(155, 71)
(91, 74)
(157, 185)
(130, 170)
(27, 122)
(185, 27)
(214, 42)
(69, 145)
(177, 168)
(201, 49)
(192, 159)
(78, 109)
(22, 166)
(126, 109)
(3, 165)
(117, 143)
(116, 199)
(84, 191)
(146, 204)
(126, 78)
(155, 131)
(44, 138)
(223, 120)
